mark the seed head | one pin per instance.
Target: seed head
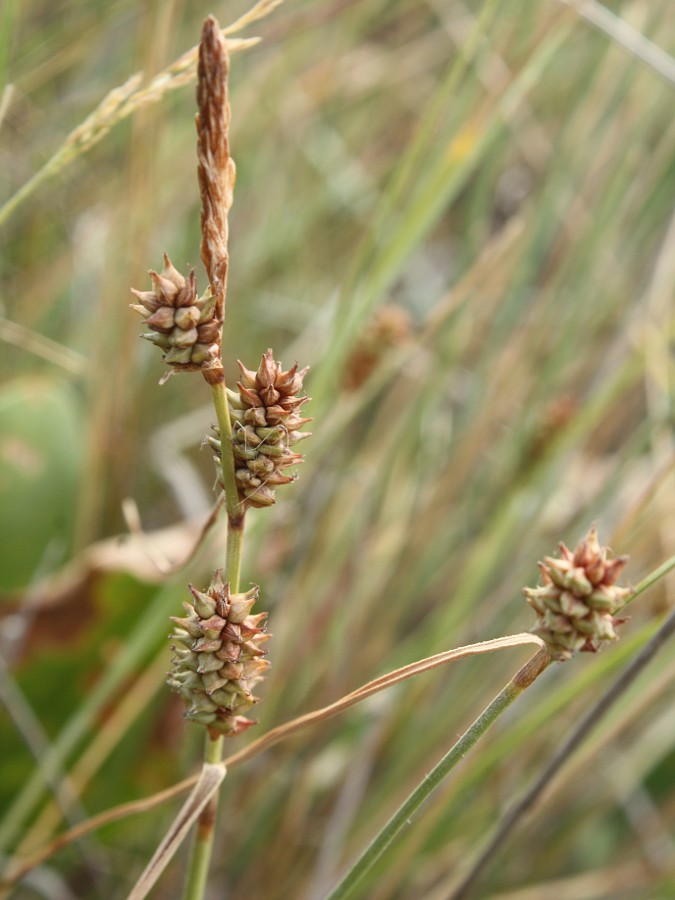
(218, 657)
(265, 425)
(185, 326)
(577, 602)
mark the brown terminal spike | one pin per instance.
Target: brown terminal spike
(215, 170)
(188, 328)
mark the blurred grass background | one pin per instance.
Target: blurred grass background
(460, 215)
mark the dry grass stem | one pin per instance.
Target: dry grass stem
(375, 686)
(125, 99)
(623, 34)
(259, 11)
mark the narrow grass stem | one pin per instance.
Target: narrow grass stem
(235, 511)
(520, 681)
(583, 728)
(651, 579)
(235, 535)
(202, 847)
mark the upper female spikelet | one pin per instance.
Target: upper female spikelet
(185, 326)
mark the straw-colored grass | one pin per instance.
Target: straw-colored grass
(460, 216)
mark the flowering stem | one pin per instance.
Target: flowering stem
(202, 847)
(520, 681)
(586, 724)
(235, 510)
(216, 174)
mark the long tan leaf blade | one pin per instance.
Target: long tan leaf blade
(275, 736)
(378, 684)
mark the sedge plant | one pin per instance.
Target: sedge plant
(220, 642)
(219, 653)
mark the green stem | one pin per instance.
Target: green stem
(202, 847)
(235, 510)
(658, 573)
(575, 738)
(520, 681)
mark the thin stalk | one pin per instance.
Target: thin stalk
(525, 676)
(235, 510)
(202, 847)
(584, 727)
(587, 724)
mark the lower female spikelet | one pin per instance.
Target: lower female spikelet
(218, 657)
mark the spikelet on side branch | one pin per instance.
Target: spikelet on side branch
(577, 604)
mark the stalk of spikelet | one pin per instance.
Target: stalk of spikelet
(265, 426)
(577, 603)
(218, 657)
(188, 328)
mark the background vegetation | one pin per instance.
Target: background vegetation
(460, 215)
